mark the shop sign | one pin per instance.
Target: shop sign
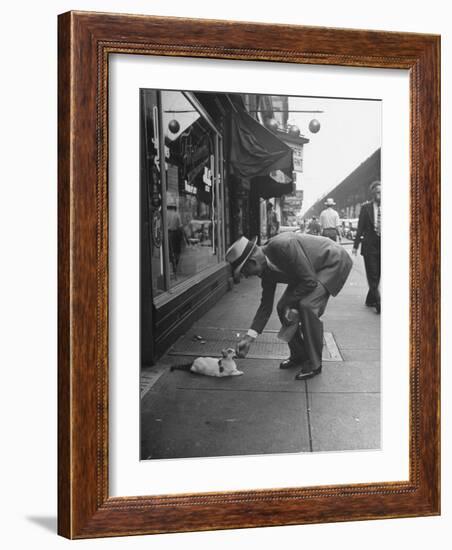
(190, 189)
(207, 178)
(294, 201)
(297, 158)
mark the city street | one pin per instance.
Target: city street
(266, 410)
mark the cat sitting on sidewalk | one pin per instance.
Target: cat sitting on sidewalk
(211, 366)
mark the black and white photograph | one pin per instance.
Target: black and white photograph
(223, 319)
(260, 225)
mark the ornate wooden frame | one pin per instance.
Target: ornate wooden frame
(85, 42)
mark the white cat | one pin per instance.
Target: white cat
(211, 366)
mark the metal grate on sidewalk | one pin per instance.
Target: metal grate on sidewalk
(209, 341)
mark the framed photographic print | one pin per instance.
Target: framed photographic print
(248, 275)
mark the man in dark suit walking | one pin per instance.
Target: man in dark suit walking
(369, 236)
(313, 268)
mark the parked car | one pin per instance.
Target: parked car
(349, 228)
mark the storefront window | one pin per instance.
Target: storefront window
(191, 188)
(153, 217)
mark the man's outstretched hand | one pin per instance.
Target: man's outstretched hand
(243, 346)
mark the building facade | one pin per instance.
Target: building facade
(273, 113)
(351, 192)
(206, 165)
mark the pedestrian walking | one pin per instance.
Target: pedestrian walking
(314, 227)
(368, 235)
(313, 268)
(272, 221)
(329, 221)
(175, 234)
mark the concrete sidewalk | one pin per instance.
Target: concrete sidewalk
(266, 410)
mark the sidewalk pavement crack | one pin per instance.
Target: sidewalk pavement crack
(346, 392)
(308, 412)
(252, 390)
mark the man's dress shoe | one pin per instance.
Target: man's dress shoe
(289, 364)
(302, 375)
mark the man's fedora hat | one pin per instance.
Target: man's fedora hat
(239, 252)
(330, 202)
(374, 184)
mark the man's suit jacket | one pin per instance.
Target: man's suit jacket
(301, 261)
(366, 235)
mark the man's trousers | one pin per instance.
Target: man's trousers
(330, 233)
(307, 342)
(372, 264)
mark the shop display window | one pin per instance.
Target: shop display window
(182, 176)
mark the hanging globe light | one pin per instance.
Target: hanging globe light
(173, 126)
(272, 124)
(314, 126)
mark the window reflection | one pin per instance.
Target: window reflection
(190, 188)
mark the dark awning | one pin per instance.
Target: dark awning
(255, 151)
(266, 187)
